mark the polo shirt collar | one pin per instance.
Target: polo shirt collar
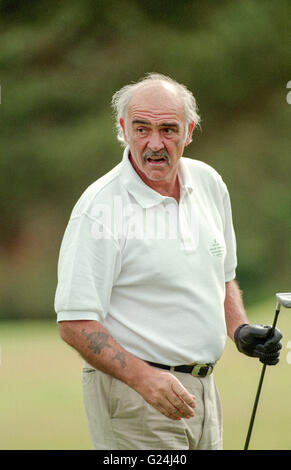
(144, 194)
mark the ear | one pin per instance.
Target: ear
(190, 132)
(122, 124)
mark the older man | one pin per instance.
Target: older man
(146, 282)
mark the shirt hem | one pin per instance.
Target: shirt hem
(75, 315)
(230, 276)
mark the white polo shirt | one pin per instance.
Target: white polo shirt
(152, 271)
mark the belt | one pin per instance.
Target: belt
(196, 369)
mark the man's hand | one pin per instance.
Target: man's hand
(158, 387)
(165, 392)
(259, 341)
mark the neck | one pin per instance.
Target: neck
(166, 188)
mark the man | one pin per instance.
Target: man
(146, 282)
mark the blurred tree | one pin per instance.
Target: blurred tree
(61, 62)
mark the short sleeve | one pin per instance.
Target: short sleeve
(87, 268)
(230, 262)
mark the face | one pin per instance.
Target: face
(155, 132)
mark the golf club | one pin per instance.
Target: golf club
(283, 299)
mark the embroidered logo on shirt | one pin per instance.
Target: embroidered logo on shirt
(216, 249)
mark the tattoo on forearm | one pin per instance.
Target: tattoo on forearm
(97, 341)
(120, 357)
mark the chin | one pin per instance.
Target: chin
(157, 177)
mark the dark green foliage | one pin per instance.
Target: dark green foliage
(60, 64)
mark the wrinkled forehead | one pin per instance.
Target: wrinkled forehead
(156, 101)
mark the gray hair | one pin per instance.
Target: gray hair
(122, 97)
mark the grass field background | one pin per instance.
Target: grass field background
(41, 403)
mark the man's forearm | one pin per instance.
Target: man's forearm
(99, 349)
(235, 313)
(158, 387)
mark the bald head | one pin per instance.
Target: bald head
(156, 87)
(156, 101)
(159, 93)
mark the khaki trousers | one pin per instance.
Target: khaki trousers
(119, 418)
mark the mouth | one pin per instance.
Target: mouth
(158, 158)
(157, 161)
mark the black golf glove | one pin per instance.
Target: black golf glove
(258, 341)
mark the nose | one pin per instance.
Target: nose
(155, 141)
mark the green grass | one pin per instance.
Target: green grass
(237, 377)
(41, 403)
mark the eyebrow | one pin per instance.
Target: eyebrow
(164, 124)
